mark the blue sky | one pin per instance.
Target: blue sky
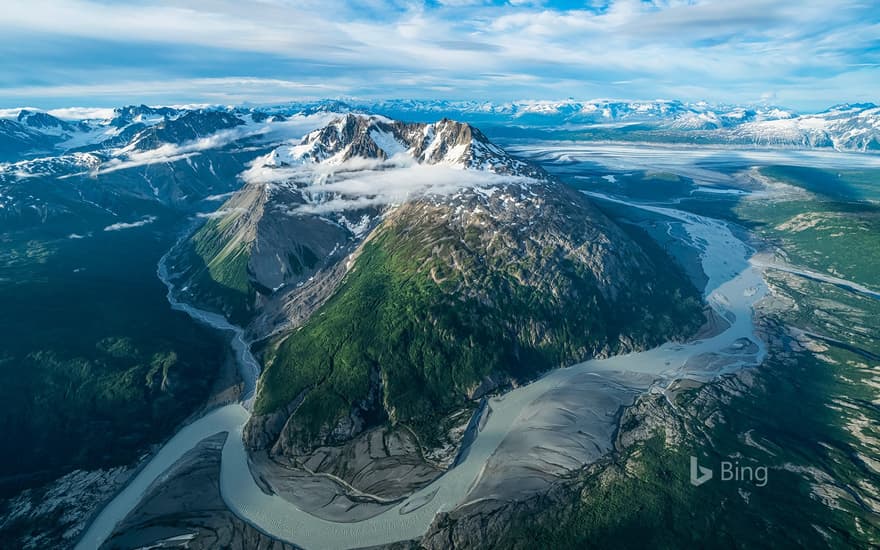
(805, 54)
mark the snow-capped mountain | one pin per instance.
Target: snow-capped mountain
(30, 133)
(17, 140)
(334, 186)
(843, 127)
(571, 112)
(356, 166)
(92, 169)
(187, 127)
(446, 142)
(48, 124)
(35, 133)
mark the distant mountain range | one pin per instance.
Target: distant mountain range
(186, 154)
(68, 171)
(851, 127)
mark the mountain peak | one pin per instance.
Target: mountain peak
(366, 136)
(41, 120)
(850, 107)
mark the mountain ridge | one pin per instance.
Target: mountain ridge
(845, 126)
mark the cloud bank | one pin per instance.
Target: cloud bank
(396, 186)
(803, 54)
(365, 183)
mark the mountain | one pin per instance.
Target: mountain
(252, 244)
(187, 127)
(142, 114)
(46, 123)
(397, 272)
(845, 127)
(17, 139)
(142, 157)
(373, 137)
(35, 134)
(570, 112)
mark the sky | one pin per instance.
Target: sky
(804, 54)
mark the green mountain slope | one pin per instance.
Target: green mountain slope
(438, 309)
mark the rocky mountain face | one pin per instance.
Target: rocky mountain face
(187, 127)
(395, 273)
(48, 124)
(446, 142)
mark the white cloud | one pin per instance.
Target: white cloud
(220, 213)
(170, 152)
(82, 113)
(722, 50)
(129, 225)
(220, 197)
(226, 88)
(13, 113)
(67, 113)
(362, 183)
(292, 129)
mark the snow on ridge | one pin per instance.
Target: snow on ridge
(411, 160)
(387, 142)
(445, 142)
(130, 157)
(50, 166)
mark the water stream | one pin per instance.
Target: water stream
(734, 285)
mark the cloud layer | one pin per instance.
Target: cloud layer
(804, 54)
(364, 183)
(396, 186)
